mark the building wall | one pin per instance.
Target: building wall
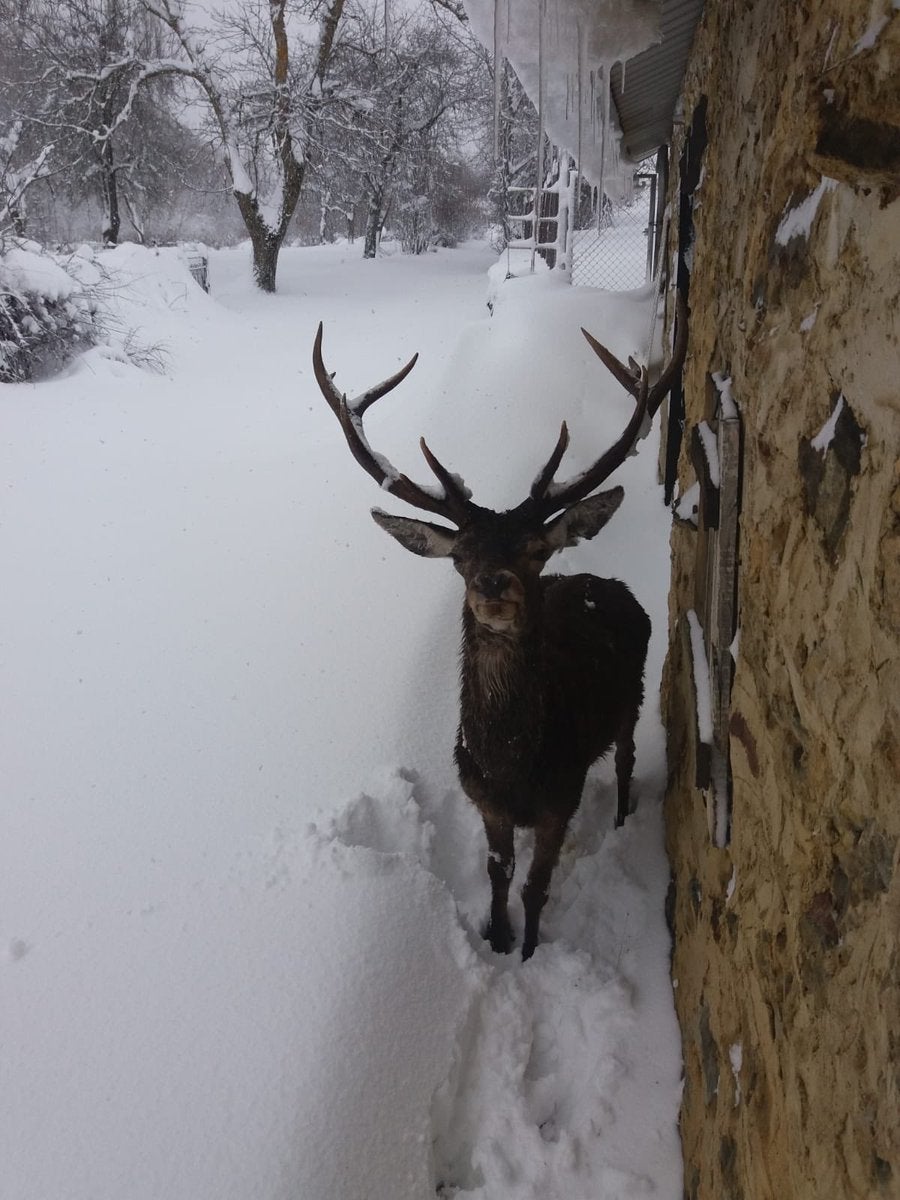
(786, 960)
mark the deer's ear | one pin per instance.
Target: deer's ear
(421, 537)
(583, 520)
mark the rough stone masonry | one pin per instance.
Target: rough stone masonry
(787, 938)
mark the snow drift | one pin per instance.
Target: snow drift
(241, 891)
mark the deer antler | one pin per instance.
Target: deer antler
(553, 497)
(453, 502)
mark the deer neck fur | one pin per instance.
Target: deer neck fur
(501, 697)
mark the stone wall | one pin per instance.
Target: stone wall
(786, 960)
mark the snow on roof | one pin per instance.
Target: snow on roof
(578, 45)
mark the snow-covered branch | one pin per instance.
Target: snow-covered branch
(16, 180)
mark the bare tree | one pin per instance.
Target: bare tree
(264, 92)
(399, 83)
(366, 100)
(100, 109)
(265, 98)
(25, 154)
(81, 100)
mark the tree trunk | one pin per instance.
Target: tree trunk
(265, 260)
(15, 210)
(374, 222)
(134, 217)
(266, 242)
(110, 191)
(324, 202)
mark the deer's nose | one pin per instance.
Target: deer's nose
(492, 585)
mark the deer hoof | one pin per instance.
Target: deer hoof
(500, 936)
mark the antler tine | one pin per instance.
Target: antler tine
(545, 478)
(634, 379)
(335, 398)
(350, 413)
(455, 491)
(361, 403)
(564, 495)
(629, 377)
(324, 379)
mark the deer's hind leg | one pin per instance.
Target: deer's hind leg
(624, 766)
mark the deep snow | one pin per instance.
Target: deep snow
(240, 889)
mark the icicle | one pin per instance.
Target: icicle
(498, 70)
(604, 128)
(539, 178)
(580, 77)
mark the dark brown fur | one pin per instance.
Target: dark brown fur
(536, 711)
(552, 668)
(551, 677)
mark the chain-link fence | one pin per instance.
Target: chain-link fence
(609, 246)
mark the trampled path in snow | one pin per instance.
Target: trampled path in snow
(240, 889)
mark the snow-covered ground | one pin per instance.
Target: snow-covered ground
(240, 889)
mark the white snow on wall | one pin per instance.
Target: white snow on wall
(735, 647)
(688, 507)
(726, 396)
(703, 695)
(736, 1058)
(797, 221)
(825, 436)
(701, 679)
(711, 450)
(872, 34)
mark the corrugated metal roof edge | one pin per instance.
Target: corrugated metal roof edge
(653, 79)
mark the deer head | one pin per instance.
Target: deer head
(500, 555)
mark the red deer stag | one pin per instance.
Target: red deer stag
(552, 667)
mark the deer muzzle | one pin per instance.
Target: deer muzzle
(497, 600)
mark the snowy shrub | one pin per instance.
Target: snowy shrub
(54, 306)
(414, 225)
(445, 238)
(45, 314)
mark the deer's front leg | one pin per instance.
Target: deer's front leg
(548, 840)
(501, 864)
